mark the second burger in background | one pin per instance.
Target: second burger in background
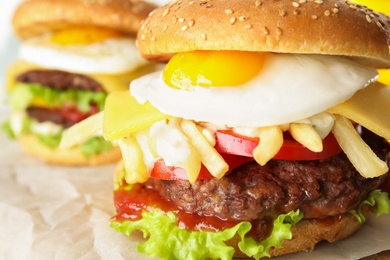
(73, 53)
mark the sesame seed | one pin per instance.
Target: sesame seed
(283, 13)
(228, 11)
(153, 38)
(165, 12)
(258, 3)
(243, 18)
(335, 10)
(279, 31)
(296, 12)
(248, 26)
(165, 28)
(295, 4)
(232, 20)
(265, 30)
(204, 36)
(353, 7)
(190, 3)
(337, 5)
(314, 17)
(302, 1)
(368, 18)
(327, 13)
(319, 1)
(184, 27)
(191, 23)
(181, 20)
(143, 36)
(380, 24)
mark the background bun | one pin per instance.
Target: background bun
(31, 145)
(35, 17)
(333, 27)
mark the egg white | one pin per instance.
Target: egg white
(288, 89)
(112, 56)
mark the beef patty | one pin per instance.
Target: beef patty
(60, 80)
(320, 188)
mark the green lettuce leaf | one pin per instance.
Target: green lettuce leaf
(95, 145)
(7, 129)
(24, 94)
(166, 240)
(376, 198)
(52, 141)
(281, 231)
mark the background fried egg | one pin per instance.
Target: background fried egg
(110, 56)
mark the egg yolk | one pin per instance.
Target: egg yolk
(83, 35)
(212, 68)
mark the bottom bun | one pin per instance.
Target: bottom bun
(31, 145)
(308, 232)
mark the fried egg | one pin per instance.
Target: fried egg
(103, 53)
(285, 88)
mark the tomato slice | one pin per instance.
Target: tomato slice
(163, 172)
(231, 143)
(237, 150)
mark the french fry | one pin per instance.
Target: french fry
(210, 158)
(188, 159)
(119, 174)
(271, 140)
(192, 165)
(133, 160)
(306, 135)
(366, 162)
(82, 131)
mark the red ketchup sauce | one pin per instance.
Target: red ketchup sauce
(131, 203)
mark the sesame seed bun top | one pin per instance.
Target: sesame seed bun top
(35, 17)
(332, 27)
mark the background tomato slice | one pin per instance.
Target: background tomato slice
(231, 143)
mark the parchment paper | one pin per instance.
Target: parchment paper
(56, 212)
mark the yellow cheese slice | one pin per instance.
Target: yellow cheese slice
(123, 115)
(369, 107)
(110, 82)
(384, 76)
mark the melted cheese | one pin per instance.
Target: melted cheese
(123, 115)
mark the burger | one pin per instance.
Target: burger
(73, 53)
(264, 134)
